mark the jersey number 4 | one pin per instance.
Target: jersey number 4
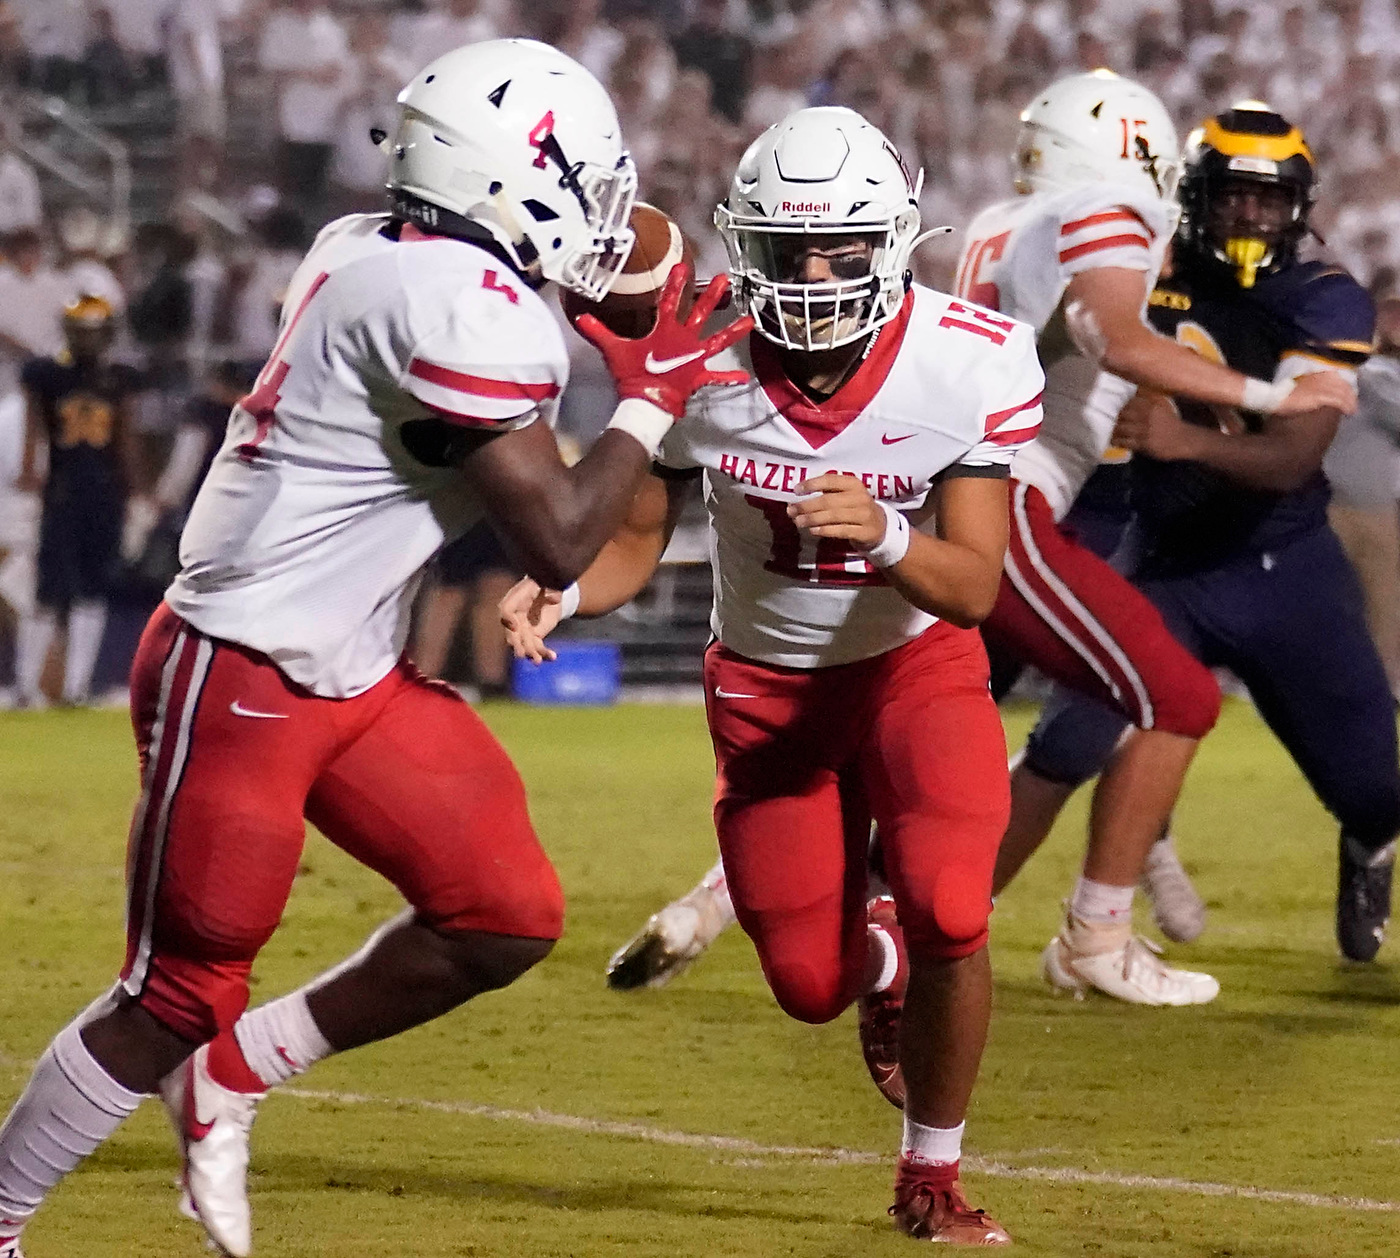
(816, 560)
(261, 403)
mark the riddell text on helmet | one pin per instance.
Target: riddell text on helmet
(806, 207)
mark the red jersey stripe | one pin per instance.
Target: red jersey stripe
(1120, 215)
(1104, 242)
(997, 418)
(1009, 437)
(482, 386)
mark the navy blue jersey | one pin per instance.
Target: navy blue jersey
(79, 406)
(1193, 517)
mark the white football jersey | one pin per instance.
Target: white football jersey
(308, 538)
(944, 385)
(1019, 257)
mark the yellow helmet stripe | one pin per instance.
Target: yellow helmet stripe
(1274, 148)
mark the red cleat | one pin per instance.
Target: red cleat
(929, 1206)
(880, 1012)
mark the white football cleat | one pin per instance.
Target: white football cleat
(1177, 908)
(673, 937)
(9, 1242)
(1113, 960)
(213, 1123)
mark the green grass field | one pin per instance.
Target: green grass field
(558, 1118)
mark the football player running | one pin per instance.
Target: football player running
(1230, 506)
(409, 394)
(1076, 254)
(856, 490)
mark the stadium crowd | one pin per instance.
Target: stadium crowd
(195, 286)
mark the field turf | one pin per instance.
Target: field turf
(557, 1118)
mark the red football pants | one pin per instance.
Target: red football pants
(1080, 622)
(405, 778)
(806, 759)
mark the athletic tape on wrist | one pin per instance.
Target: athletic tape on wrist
(895, 543)
(643, 421)
(1265, 397)
(568, 601)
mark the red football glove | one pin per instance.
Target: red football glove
(668, 364)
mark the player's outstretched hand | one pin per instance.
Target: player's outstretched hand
(839, 506)
(668, 364)
(1316, 390)
(528, 614)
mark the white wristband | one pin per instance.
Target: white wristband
(568, 601)
(642, 420)
(1264, 397)
(895, 543)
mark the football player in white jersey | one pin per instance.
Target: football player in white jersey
(856, 489)
(409, 394)
(1076, 254)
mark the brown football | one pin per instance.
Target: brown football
(629, 309)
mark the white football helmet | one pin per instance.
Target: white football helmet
(523, 143)
(1097, 127)
(821, 172)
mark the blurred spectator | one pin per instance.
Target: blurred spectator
(779, 87)
(375, 77)
(107, 74)
(424, 37)
(257, 282)
(195, 61)
(55, 33)
(305, 49)
(16, 65)
(32, 297)
(1363, 465)
(161, 319)
(470, 577)
(151, 540)
(81, 261)
(79, 407)
(576, 27)
(139, 27)
(709, 43)
(20, 202)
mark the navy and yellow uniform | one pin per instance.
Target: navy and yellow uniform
(1191, 517)
(79, 405)
(1255, 581)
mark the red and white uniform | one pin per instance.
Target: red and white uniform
(831, 699)
(270, 688)
(945, 387)
(308, 537)
(1061, 608)
(1020, 256)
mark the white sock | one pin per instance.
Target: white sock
(880, 939)
(716, 882)
(281, 1039)
(33, 638)
(1100, 902)
(87, 622)
(939, 1146)
(70, 1106)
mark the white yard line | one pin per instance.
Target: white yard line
(845, 1157)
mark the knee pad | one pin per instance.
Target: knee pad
(804, 994)
(1073, 739)
(1190, 706)
(951, 919)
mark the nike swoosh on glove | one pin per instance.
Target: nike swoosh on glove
(668, 364)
